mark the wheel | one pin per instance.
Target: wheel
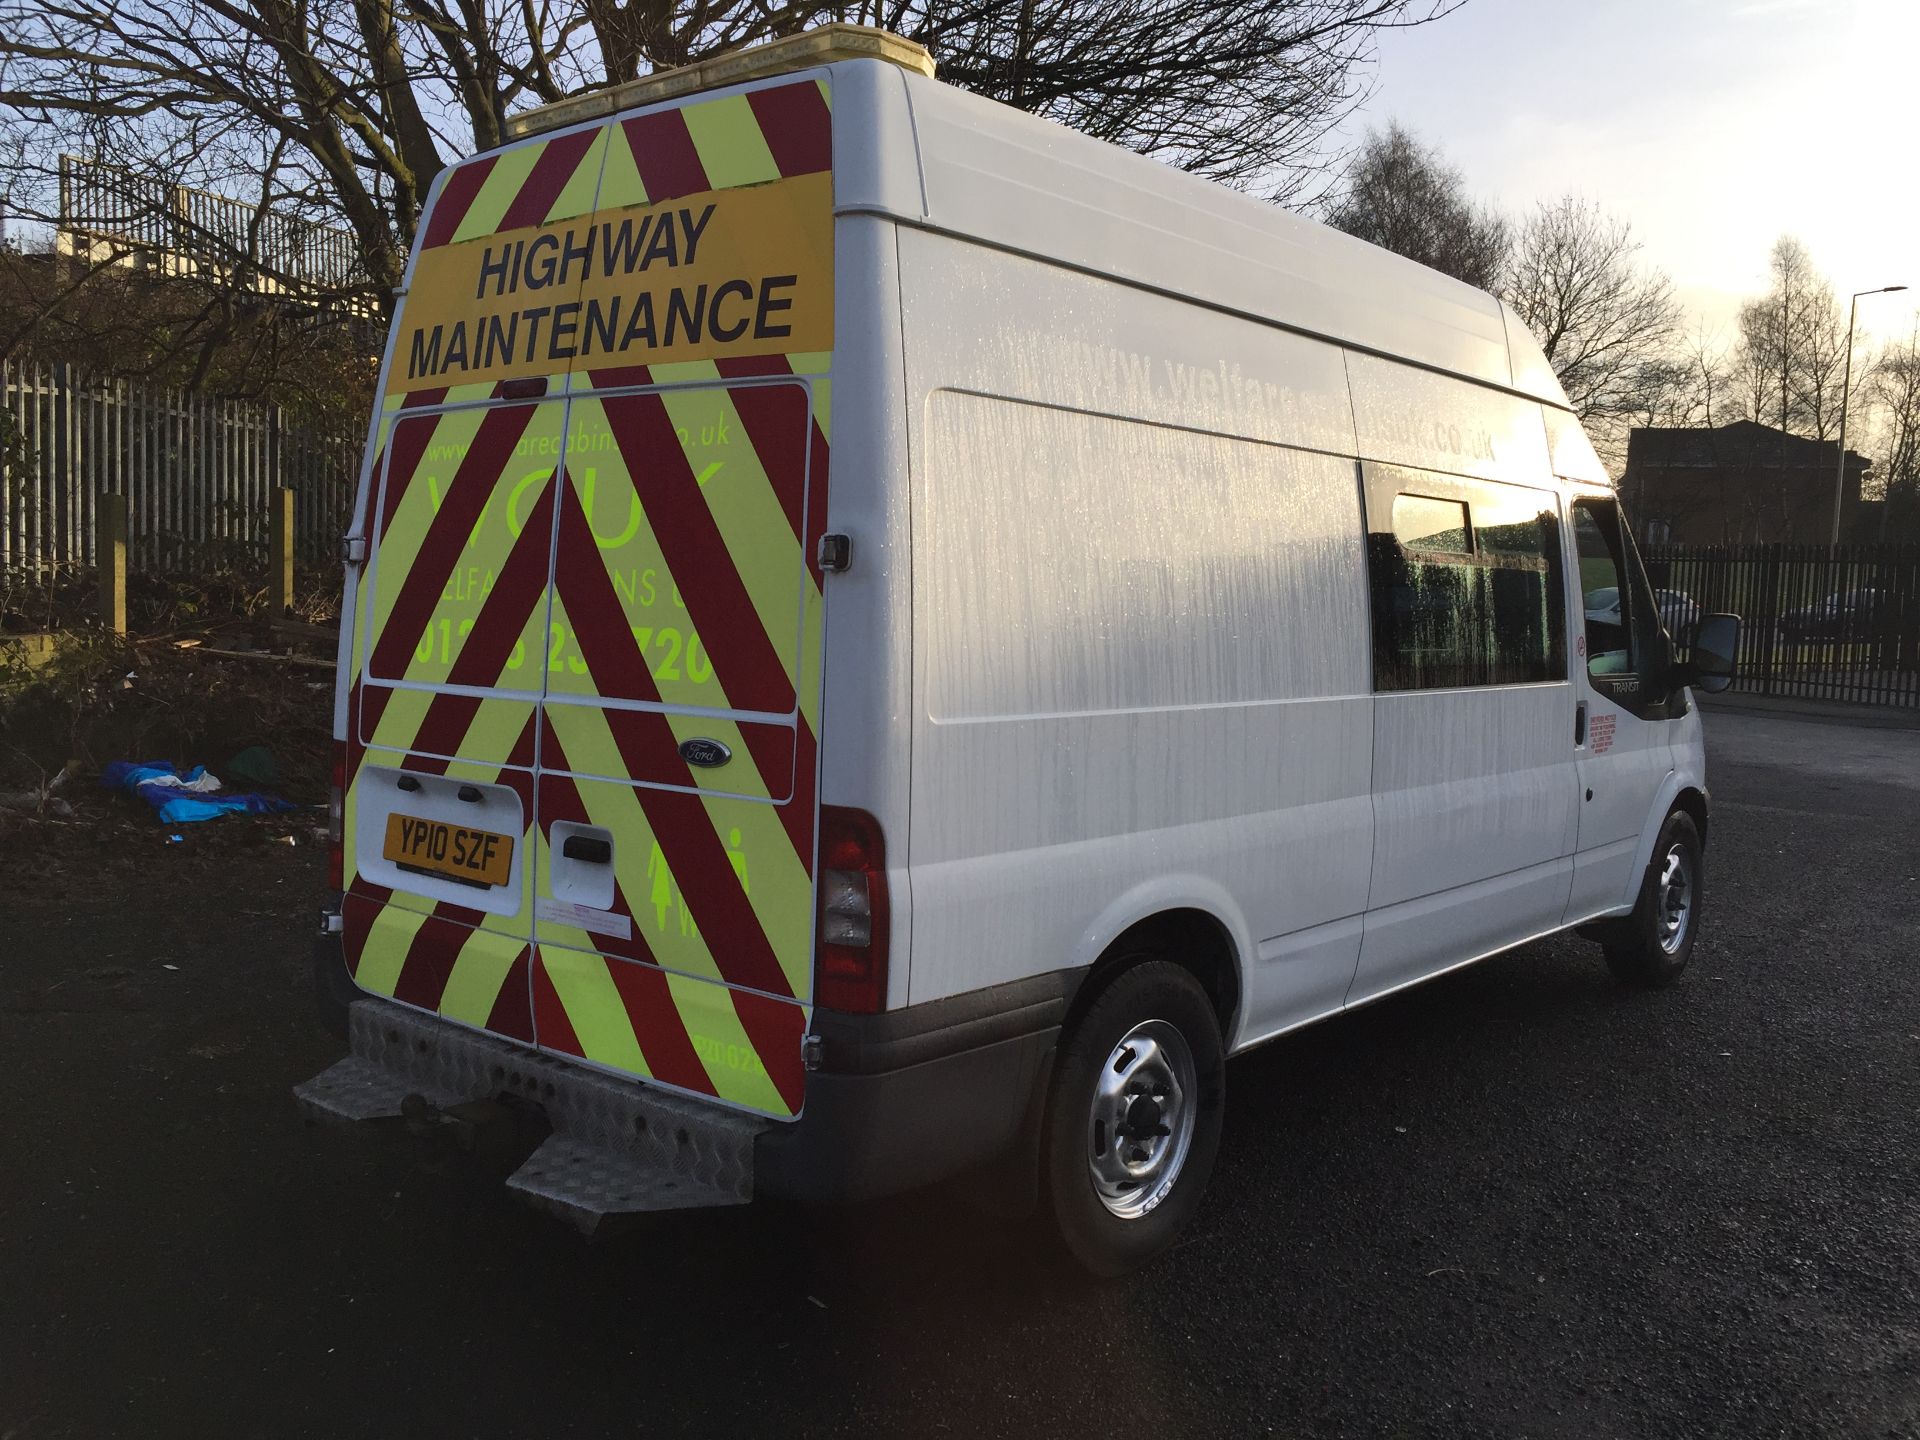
(1651, 946)
(1133, 1118)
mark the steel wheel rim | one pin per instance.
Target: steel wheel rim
(1675, 897)
(1141, 1121)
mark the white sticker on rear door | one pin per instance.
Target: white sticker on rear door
(582, 917)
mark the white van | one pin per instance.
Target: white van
(886, 637)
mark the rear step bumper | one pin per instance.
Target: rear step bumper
(902, 1099)
(615, 1148)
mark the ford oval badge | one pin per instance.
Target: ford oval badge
(704, 753)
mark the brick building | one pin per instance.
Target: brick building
(1740, 484)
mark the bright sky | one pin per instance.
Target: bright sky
(1713, 125)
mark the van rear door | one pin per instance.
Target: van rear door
(596, 625)
(450, 613)
(452, 628)
(677, 756)
(674, 910)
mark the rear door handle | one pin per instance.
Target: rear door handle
(587, 848)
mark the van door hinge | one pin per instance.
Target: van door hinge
(812, 1052)
(353, 549)
(835, 553)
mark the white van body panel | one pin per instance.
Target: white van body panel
(1094, 718)
(1357, 841)
(1688, 773)
(1474, 817)
(1407, 416)
(1018, 182)
(867, 653)
(1013, 181)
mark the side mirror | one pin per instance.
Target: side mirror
(1710, 665)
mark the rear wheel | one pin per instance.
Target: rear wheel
(1133, 1120)
(1651, 946)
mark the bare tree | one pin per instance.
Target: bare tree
(1242, 91)
(1684, 388)
(1689, 385)
(344, 113)
(1792, 347)
(1893, 391)
(1603, 319)
(1402, 195)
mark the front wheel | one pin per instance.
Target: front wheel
(1651, 947)
(1133, 1120)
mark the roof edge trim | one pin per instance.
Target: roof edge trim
(822, 45)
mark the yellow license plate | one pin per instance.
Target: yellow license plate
(474, 857)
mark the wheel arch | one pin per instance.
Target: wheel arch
(1682, 791)
(1693, 800)
(1193, 937)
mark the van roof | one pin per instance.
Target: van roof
(928, 154)
(1000, 175)
(822, 45)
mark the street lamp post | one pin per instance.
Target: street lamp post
(1846, 384)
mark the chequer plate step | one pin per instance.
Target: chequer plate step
(356, 1089)
(617, 1147)
(584, 1184)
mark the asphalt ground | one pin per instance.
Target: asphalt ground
(1518, 1201)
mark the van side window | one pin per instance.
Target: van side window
(1422, 523)
(1467, 586)
(1605, 595)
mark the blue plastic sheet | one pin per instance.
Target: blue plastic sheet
(182, 798)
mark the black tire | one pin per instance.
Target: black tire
(1106, 1243)
(1643, 948)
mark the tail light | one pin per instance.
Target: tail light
(852, 973)
(337, 819)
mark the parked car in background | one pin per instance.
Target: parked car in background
(1843, 613)
(1604, 605)
(1679, 612)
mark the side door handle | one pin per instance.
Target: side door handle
(1580, 724)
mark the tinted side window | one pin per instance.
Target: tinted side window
(1516, 536)
(1604, 593)
(1467, 584)
(1426, 523)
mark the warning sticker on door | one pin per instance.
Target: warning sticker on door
(1600, 734)
(582, 917)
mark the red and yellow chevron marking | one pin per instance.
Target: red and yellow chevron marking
(465, 965)
(536, 182)
(565, 589)
(705, 1039)
(723, 885)
(714, 478)
(775, 133)
(689, 233)
(461, 489)
(705, 990)
(698, 994)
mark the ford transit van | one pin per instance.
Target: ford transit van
(886, 638)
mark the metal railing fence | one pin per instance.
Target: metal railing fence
(109, 203)
(1839, 623)
(197, 470)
